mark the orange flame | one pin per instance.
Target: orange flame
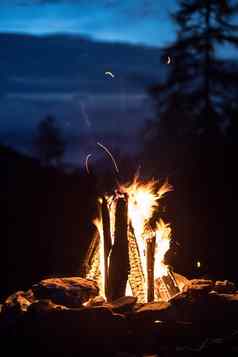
(163, 237)
(98, 223)
(143, 202)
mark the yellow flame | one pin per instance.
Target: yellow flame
(98, 223)
(143, 201)
(163, 236)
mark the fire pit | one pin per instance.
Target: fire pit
(128, 303)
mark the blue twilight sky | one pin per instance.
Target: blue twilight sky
(135, 21)
(64, 75)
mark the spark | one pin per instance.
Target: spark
(110, 74)
(86, 163)
(110, 154)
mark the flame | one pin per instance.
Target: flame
(98, 224)
(143, 202)
(163, 237)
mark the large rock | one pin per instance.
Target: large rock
(124, 304)
(224, 287)
(154, 311)
(70, 292)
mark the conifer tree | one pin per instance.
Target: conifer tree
(193, 97)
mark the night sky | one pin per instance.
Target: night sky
(53, 59)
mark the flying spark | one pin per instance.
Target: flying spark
(110, 154)
(86, 163)
(110, 74)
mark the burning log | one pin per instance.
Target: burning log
(136, 276)
(107, 243)
(150, 253)
(91, 263)
(167, 287)
(119, 258)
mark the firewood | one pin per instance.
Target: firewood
(119, 258)
(106, 239)
(150, 253)
(166, 287)
(136, 275)
(91, 255)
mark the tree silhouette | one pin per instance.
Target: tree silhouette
(185, 142)
(194, 96)
(49, 142)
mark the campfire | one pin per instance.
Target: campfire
(129, 300)
(126, 256)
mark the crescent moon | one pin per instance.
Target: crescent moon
(169, 60)
(110, 74)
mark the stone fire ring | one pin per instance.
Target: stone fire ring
(65, 316)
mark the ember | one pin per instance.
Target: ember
(129, 254)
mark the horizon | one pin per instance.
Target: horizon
(114, 20)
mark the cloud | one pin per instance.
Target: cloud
(133, 21)
(133, 8)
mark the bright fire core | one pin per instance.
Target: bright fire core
(143, 204)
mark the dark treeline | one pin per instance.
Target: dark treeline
(47, 214)
(46, 218)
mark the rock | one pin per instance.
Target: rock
(225, 287)
(198, 287)
(124, 304)
(70, 292)
(13, 308)
(157, 311)
(44, 305)
(18, 302)
(97, 301)
(52, 319)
